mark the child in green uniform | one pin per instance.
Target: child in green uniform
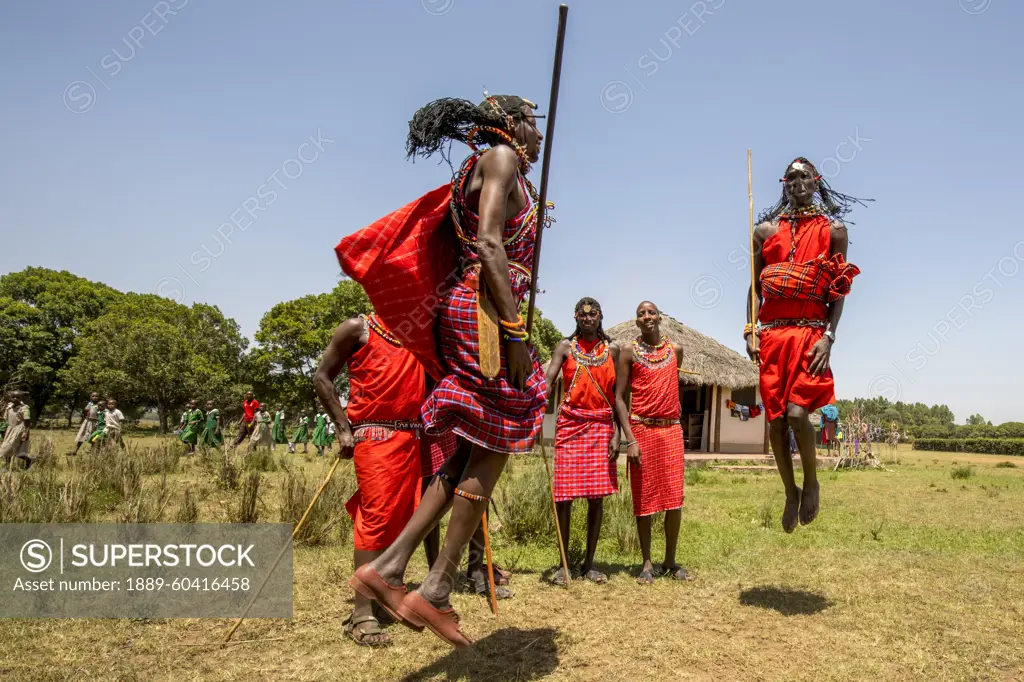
(301, 435)
(96, 437)
(320, 438)
(193, 425)
(278, 434)
(211, 437)
(261, 436)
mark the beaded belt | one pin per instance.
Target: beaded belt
(794, 322)
(393, 424)
(652, 421)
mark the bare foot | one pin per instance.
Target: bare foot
(790, 514)
(809, 503)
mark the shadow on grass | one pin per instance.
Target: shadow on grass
(786, 602)
(507, 654)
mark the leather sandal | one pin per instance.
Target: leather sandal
(368, 583)
(442, 622)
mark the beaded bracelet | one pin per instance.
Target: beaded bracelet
(747, 329)
(516, 339)
(520, 333)
(513, 325)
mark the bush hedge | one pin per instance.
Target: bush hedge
(992, 446)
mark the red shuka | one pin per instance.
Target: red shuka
(584, 429)
(387, 384)
(657, 484)
(784, 374)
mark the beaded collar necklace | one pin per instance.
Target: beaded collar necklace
(598, 356)
(653, 357)
(793, 217)
(374, 322)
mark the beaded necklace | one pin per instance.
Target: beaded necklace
(794, 216)
(653, 357)
(595, 358)
(378, 326)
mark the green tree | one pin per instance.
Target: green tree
(150, 351)
(545, 334)
(975, 420)
(43, 314)
(291, 338)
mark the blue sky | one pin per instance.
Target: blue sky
(133, 131)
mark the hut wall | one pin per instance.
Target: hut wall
(737, 436)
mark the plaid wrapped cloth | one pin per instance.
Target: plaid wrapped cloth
(822, 279)
(487, 412)
(435, 451)
(582, 468)
(657, 484)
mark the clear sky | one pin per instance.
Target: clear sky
(132, 131)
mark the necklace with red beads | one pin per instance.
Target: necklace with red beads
(653, 357)
(596, 357)
(374, 322)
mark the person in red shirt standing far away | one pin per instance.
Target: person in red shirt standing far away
(802, 277)
(249, 408)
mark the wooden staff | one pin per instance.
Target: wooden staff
(753, 288)
(490, 566)
(549, 136)
(280, 554)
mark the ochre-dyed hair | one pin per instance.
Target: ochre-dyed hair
(834, 204)
(448, 119)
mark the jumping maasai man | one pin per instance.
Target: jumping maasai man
(278, 434)
(380, 430)
(193, 425)
(320, 438)
(586, 437)
(245, 425)
(802, 276)
(301, 435)
(211, 437)
(649, 372)
(491, 209)
(16, 436)
(90, 416)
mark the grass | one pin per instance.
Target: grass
(893, 581)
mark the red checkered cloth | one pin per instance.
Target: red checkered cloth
(657, 484)
(407, 261)
(435, 451)
(819, 279)
(582, 468)
(487, 412)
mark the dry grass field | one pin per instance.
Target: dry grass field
(909, 573)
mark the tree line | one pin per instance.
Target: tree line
(923, 421)
(64, 336)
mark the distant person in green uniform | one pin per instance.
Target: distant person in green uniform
(320, 438)
(101, 422)
(181, 424)
(301, 435)
(212, 436)
(193, 425)
(111, 431)
(277, 433)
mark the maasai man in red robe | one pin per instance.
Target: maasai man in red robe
(801, 273)
(423, 282)
(649, 373)
(380, 430)
(586, 437)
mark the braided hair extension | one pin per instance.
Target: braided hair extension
(835, 205)
(586, 300)
(448, 119)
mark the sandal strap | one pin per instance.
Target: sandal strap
(362, 619)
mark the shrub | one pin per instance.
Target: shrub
(247, 510)
(327, 517)
(1006, 465)
(961, 472)
(188, 512)
(993, 446)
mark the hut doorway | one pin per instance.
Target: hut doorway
(694, 417)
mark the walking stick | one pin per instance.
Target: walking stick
(556, 79)
(280, 554)
(753, 288)
(490, 566)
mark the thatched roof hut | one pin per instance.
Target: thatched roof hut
(716, 364)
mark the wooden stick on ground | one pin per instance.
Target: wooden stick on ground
(490, 566)
(256, 594)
